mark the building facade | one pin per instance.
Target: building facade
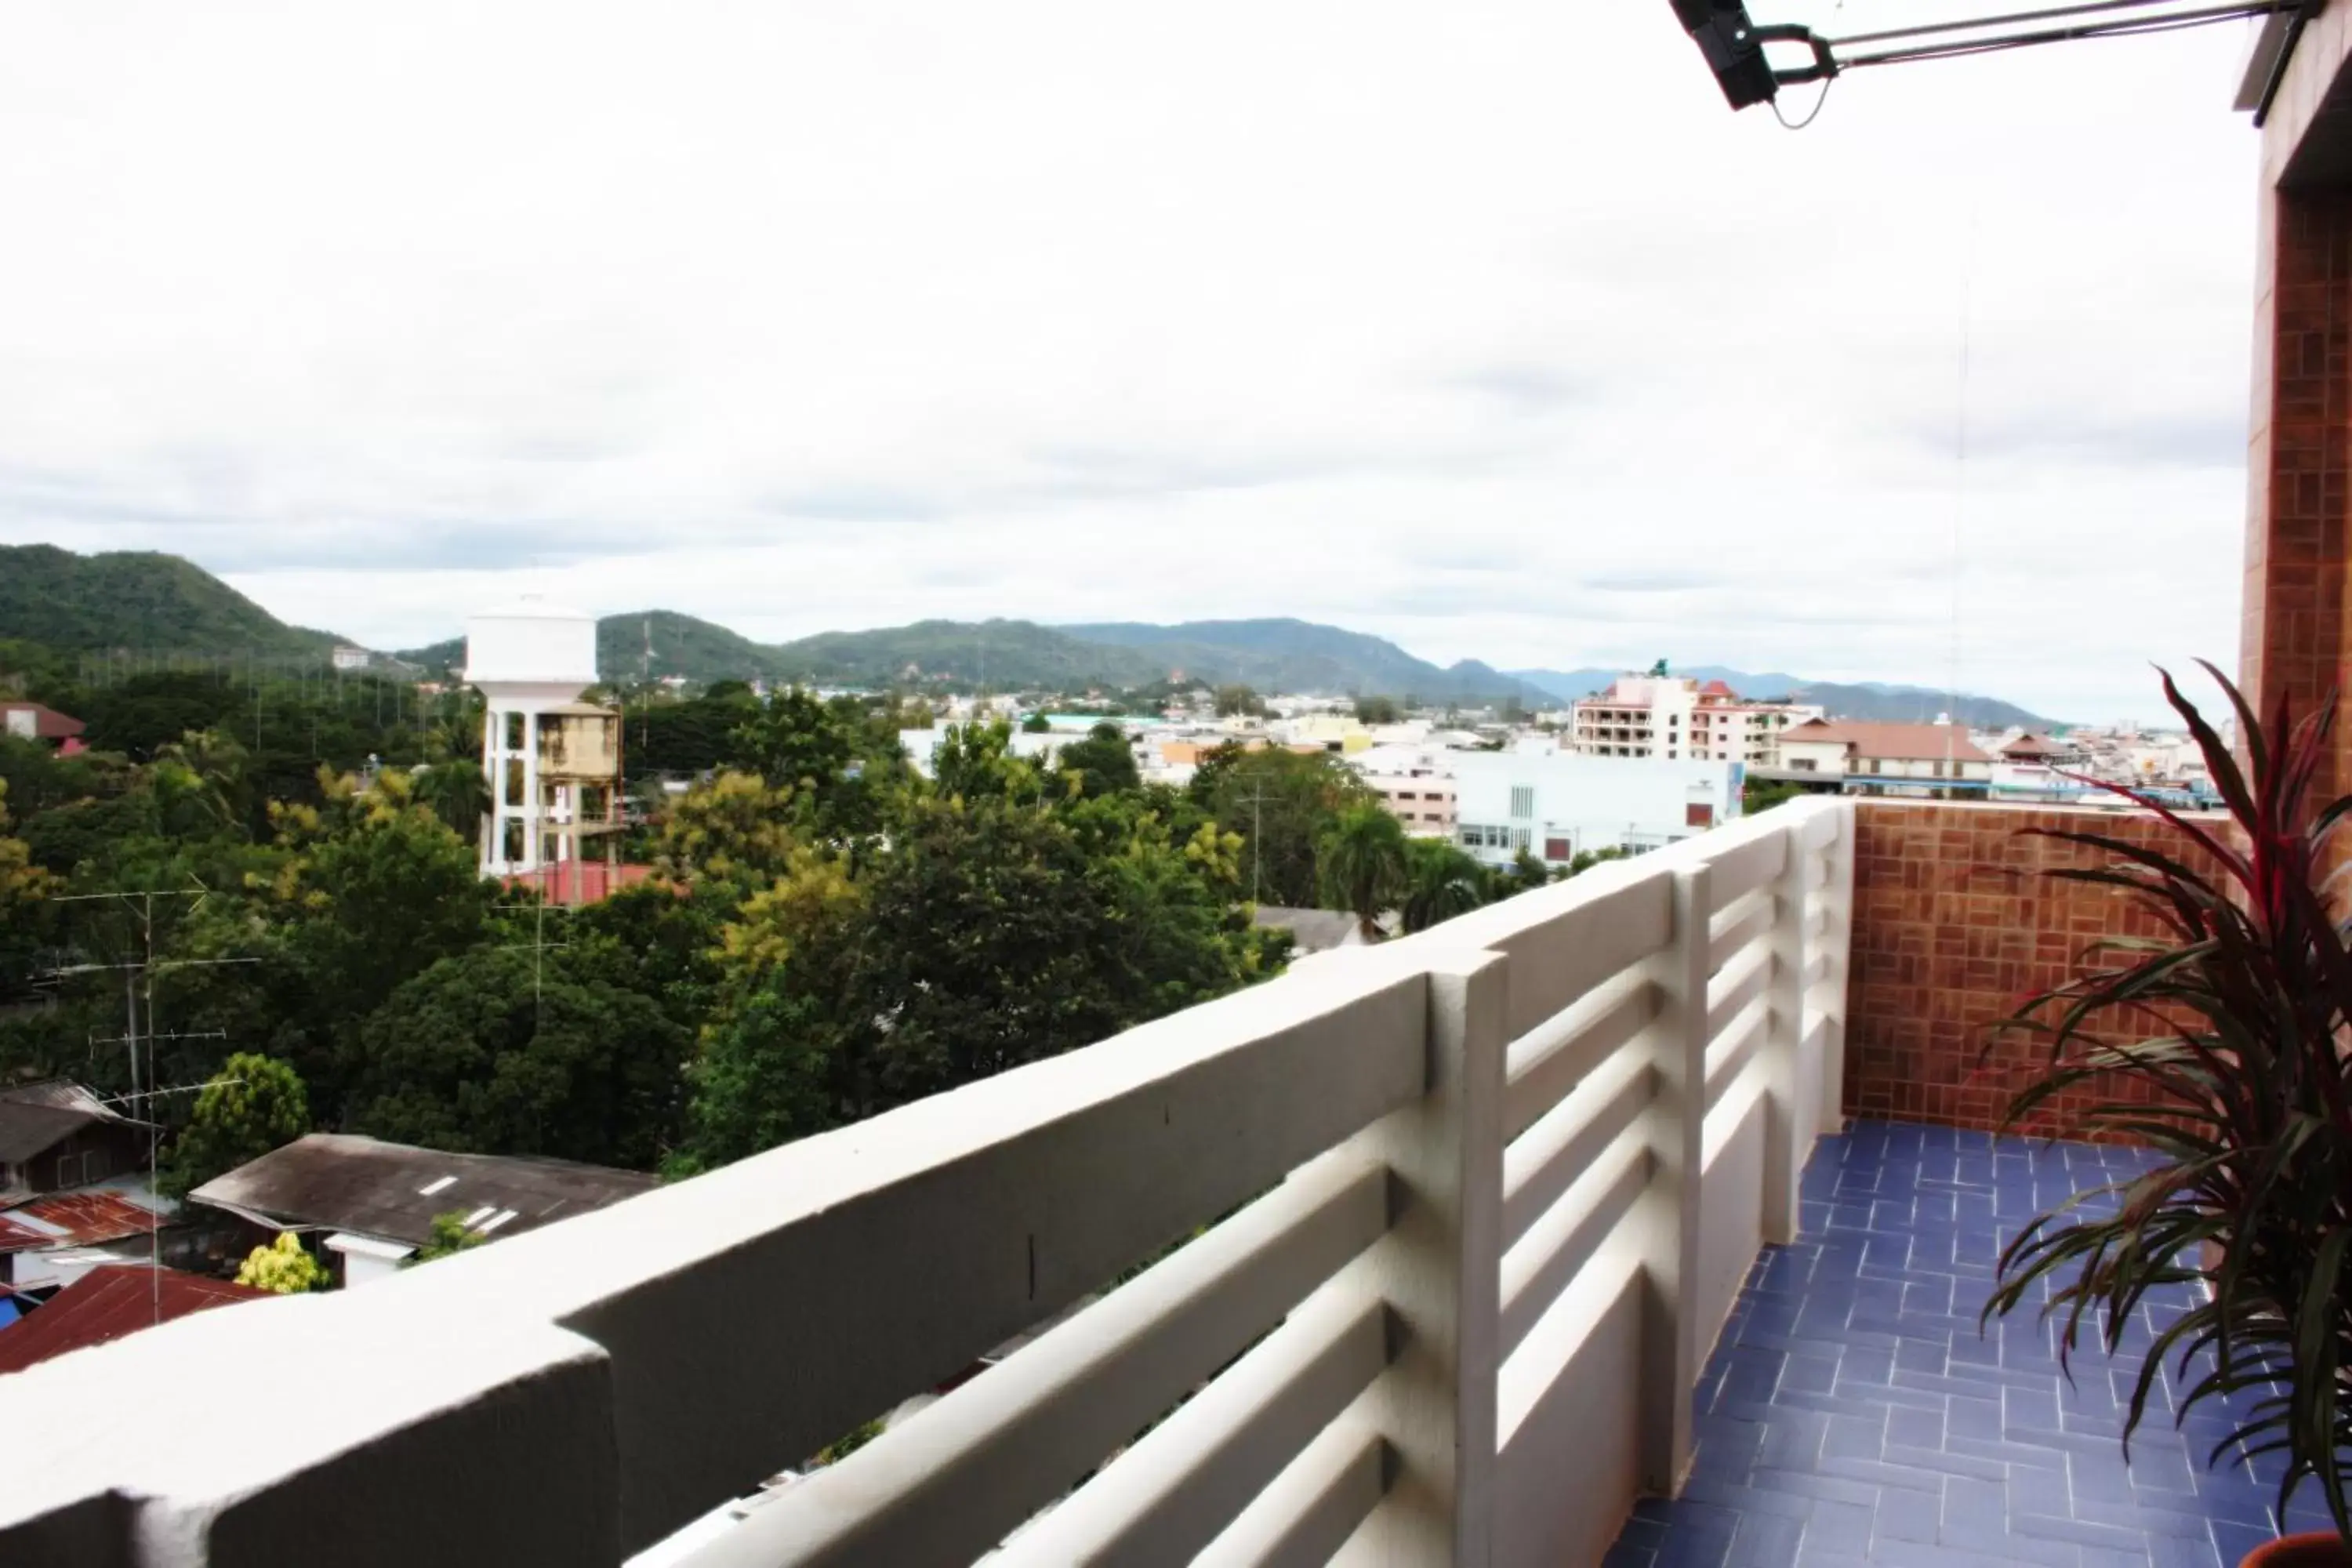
(1675, 717)
(1556, 806)
(1931, 760)
(1415, 782)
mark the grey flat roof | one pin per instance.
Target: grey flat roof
(339, 1181)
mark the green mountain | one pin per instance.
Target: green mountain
(139, 600)
(1285, 655)
(1871, 701)
(648, 642)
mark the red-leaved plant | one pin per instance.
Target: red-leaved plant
(2233, 1028)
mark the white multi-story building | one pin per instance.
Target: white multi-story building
(1557, 804)
(1415, 782)
(1676, 717)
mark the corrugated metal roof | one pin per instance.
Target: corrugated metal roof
(108, 1302)
(72, 1220)
(26, 1130)
(338, 1181)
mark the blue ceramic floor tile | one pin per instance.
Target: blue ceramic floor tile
(1854, 1413)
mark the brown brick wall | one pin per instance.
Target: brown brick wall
(1953, 928)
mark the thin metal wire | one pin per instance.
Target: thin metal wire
(1972, 24)
(2135, 28)
(1811, 115)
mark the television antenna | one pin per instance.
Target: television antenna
(139, 1005)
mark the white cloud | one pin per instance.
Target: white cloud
(1484, 327)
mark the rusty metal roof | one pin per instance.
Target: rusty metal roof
(72, 1220)
(338, 1181)
(109, 1301)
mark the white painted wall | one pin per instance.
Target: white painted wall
(1584, 803)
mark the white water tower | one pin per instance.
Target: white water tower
(529, 659)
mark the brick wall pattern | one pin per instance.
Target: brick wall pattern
(1953, 928)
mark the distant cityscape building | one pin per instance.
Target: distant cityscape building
(347, 657)
(1556, 806)
(1415, 782)
(553, 762)
(1676, 717)
(1936, 761)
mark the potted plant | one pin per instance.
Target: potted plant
(2222, 1047)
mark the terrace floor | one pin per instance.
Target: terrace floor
(1853, 1412)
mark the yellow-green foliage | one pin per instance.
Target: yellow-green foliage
(284, 1266)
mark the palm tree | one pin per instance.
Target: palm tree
(1360, 860)
(1440, 882)
(458, 792)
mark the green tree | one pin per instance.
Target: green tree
(490, 1051)
(1037, 725)
(283, 1265)
(449, 1235)
(1376, 710)
(1362, 860)
(1102, 764)
(456, 790)
(842, 761)
(1440, 882)
(735, 833)
(1237, 700)
(255, 1105)
(24, 890)
(1763, 795)
(1280, 802)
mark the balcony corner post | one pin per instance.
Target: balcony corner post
(1789, 1117)
(1677, 1119)
(1435, 1406)
(1830, 999)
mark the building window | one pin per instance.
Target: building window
(1521, 837)
(1698, 813)
(1523, 800)
(1803, 765)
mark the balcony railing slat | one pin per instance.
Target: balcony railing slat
(1550, 1062)
(955, 1477)
(1542, 1166)
(1742, 857)
(1742, 921)
(1308, 1512)
(1569, 1235)
(1733, 1051)
(1737, 984)
(1166, 1498)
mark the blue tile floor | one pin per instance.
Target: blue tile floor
(1854, 1413)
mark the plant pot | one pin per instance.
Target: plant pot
(2320, 1548)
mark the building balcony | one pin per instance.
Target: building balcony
(1416, 1254)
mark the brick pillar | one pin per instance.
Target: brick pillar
(2299, 461)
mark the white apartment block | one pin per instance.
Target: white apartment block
(1415, 782)
(1558, 805)
(1675, 717)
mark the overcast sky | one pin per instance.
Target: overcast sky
(1481, 326)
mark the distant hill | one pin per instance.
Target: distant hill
(1273, 655)
(1871, 701)
(1284, 655)
(697, 651)
(142, 600)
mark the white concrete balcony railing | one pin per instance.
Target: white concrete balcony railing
(1476, 1205)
